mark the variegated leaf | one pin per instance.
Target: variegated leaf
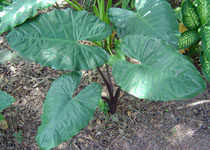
(204, 11)
(188, 38)
(190, 16)
(205, 38)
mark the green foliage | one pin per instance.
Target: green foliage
(149, 36)
(205, 67)
(3, 4)
(188, 38)
(64, 116)
(103, 106)
(18, 136)
(190, 16)
(5, 100)
(88, 4)
(178, 11)
(118, 56)
(149, 19)
(61, 48)
(159, 68)
(194, 17)
(126, 4)
(205, 38)
(1, 117)
(204, 11)
(17, 12)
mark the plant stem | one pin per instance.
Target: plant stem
(117, 94)
(109, 78)
(107, 85)
(111, 102)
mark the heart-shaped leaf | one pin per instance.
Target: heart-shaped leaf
(54, 39)
(190, 16)
(64, 116)
(5, 100)
(188, 38)
(17, 12)
(203, 9)
(154, 18)
(162, 73)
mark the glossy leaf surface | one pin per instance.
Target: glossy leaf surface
(154, 18)
(17, 12)
(190, 16)
(5, 100)
(205, 38)
(64, 116)
(161, 74)
(203, 9)
(54, 39)
(188, 38)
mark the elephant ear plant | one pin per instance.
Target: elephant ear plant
(149, 36)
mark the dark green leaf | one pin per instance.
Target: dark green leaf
(205, 38)
(54, 39)
(154, 18)
(17, 12)
(162, 73)
(64, 116)
(204, 11)
(5, 100)
(188, 38)
(1, 117)
(190, 16)
(205, 67)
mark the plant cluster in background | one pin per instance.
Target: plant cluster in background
(196, 19)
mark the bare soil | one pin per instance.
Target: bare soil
(137, 125)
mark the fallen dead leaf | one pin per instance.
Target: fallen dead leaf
(80, 140)
(129, 113)
(98, 122)
(3, 125)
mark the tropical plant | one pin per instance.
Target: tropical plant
(56, 39)
(196, 18)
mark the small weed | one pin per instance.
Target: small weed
(18, 136)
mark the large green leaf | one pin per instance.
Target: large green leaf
(205, 38)
(5, 100)
(203, 9)
(17, 12)
(161, 74)
(154, 18)
(188, 38)
(190, 16)
(64, 116)
(53, 40)
(205, 67)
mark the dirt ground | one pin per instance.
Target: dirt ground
(137, 125)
